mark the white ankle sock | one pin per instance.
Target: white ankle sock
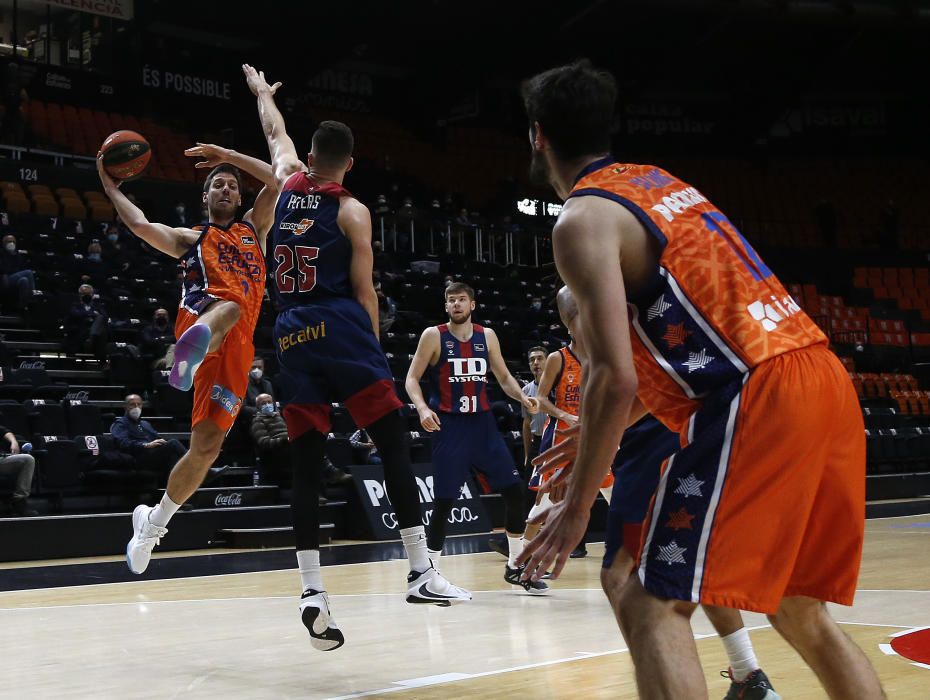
(434, 555)
(161, 514)
(740, 652)
(308, 562)
(515, 549)
(414, 539)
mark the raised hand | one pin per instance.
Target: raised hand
(212, 155)
(108, 182)
(255, 79)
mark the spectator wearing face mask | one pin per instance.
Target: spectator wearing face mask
(269, 435)
(138, 438)
(16, 277)
(87, 324)
(258, 384)
(92, 266)
(116, 252)
(157, 338)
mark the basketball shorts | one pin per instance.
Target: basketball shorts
(328, 353)
(467, 443)
(636, 469)
(222, 379)
(767, 497)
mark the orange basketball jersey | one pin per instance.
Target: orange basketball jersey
(225, 263)
(713, 311)
(566, 392)
(566, 396)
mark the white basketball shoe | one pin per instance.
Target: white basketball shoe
(317, 618)
(431, 587)
(145, 537)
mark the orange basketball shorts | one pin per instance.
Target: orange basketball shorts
(221, 381)
(767, 498)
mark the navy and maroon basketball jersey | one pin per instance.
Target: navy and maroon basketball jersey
(459, 380)
(309, 255)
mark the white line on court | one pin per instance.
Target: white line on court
(427, 681)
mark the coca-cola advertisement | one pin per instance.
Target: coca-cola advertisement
(228, 499)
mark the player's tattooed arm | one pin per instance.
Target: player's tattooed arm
(169, 240)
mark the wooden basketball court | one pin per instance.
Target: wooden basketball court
(239, 635)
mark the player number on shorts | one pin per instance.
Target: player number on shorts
(299, 256)
(468, 404)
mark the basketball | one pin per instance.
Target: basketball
(126, 154)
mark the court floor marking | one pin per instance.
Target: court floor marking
(454, 677)
(359, 595)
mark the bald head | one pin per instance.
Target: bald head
(568, 310)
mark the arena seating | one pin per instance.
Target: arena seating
(878, 319)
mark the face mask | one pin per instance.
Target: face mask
(94, 257)
(112, 237)
(256, 374)
(134, 413)
(267, 408)
(537, 306)
(179, 209)
(86, 298)
(11, 247)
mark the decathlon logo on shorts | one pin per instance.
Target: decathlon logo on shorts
(225, 398)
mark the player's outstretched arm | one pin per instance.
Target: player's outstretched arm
(355, 221)
(261, 215)
(214, 155)
(506, 380)
(284, 160)
(427, 351)
(171, 241)
(550, 373)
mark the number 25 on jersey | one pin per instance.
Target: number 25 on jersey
(291, 260)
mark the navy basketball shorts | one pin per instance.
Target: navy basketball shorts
(328, 354)
(467, 443)
(636, 468)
